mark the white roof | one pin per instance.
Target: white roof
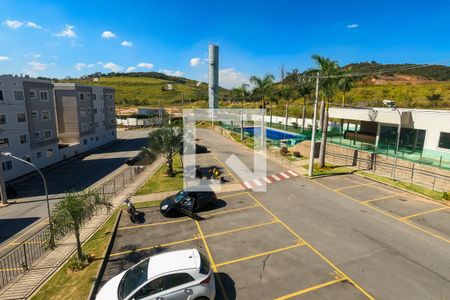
(173, 261)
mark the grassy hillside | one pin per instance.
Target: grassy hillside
(148, 90)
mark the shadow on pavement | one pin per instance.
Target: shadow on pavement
(10, 227)
(228, 285)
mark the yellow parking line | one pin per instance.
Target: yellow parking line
(151, 247)
(385, 197)
(240, 229)
(355, 186)
(232, 195)
(229, 211)
(310, 289)
(223, 165)
(211, 260)
(425, 212)
(259, 255)
(404, 221)
(315, 250)
(154, 224)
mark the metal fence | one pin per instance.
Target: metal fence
(21, 258)
(413, 175)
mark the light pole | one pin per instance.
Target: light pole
(391, 104)
(313, 134)
(52, 238)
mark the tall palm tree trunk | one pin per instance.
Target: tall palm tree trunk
(170, 165)
(270, 112)
(77, 239)
(322, 114)
(343, 99)
(323, 143)
(286, 115)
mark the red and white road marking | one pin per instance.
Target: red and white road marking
(274, 178)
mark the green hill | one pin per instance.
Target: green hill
(149, 88)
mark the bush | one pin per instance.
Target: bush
(294, 124)
(76, 264)
(446, 196)
(297, 154)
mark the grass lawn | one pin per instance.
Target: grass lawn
(160, 182)
(408, 186)
(70, 285)
(248, 141)
(146, 204)
(328, 170)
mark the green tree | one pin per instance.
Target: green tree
(74, 211)
(305, 89)
(345, 84)
(264, 90)
(329, 76)
(167, 142)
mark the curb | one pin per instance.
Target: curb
(95, 287)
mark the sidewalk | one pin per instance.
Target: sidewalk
(42, 270)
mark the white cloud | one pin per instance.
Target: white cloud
(171, 73)
(195, 61)
(32, 25)
(90, 65)
(351, 26)
(13, 24)
(37, 55)
(112, 67)
(67, 32)
(126, 44)
(108, 35)
(4, 58)
(79, 66)
(230, 78)
(37, 66)
(99, 63)
(145, 65)
(131, 69)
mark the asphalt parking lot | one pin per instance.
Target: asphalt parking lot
(255, 254)
(425, 215)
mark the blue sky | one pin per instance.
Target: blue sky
(72, 38)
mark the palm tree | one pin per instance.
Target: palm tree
(305, 89)
(286, 93)
(75, 210)
(328, 70)
(167, 142)
(263, 89)
(345, 84)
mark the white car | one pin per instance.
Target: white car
(174, 275)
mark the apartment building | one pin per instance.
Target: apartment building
(27, 124)
(86, 115)
(45, 123)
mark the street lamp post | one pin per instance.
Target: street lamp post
(52, 238)
(313, 134)
(391, 104)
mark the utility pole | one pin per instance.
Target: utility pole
(3, 194)
(313, 134)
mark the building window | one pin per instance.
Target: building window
(27, 158)
(38, 155)
(112, 133)
(90, 125)
(47, 134)
(88, 96)
(96, 138)
(2, 119)
(4, 143)
(89, 110)
(35, 115)
(95, 111)
(44, 95)
(45, 115)
(111, 109)
(21, 117)
(37, 135)
(18, 95)
(112, 121)
(22, 138)
(82, 96)
(49, 152)
(32, 94)
(444, 140)
(1, 96)
(83, 127)
(101, 96)
(7, 165)
(85, 141)
(94, 96)
(83, 112)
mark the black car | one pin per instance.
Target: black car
(198, 149)
(187, 202)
